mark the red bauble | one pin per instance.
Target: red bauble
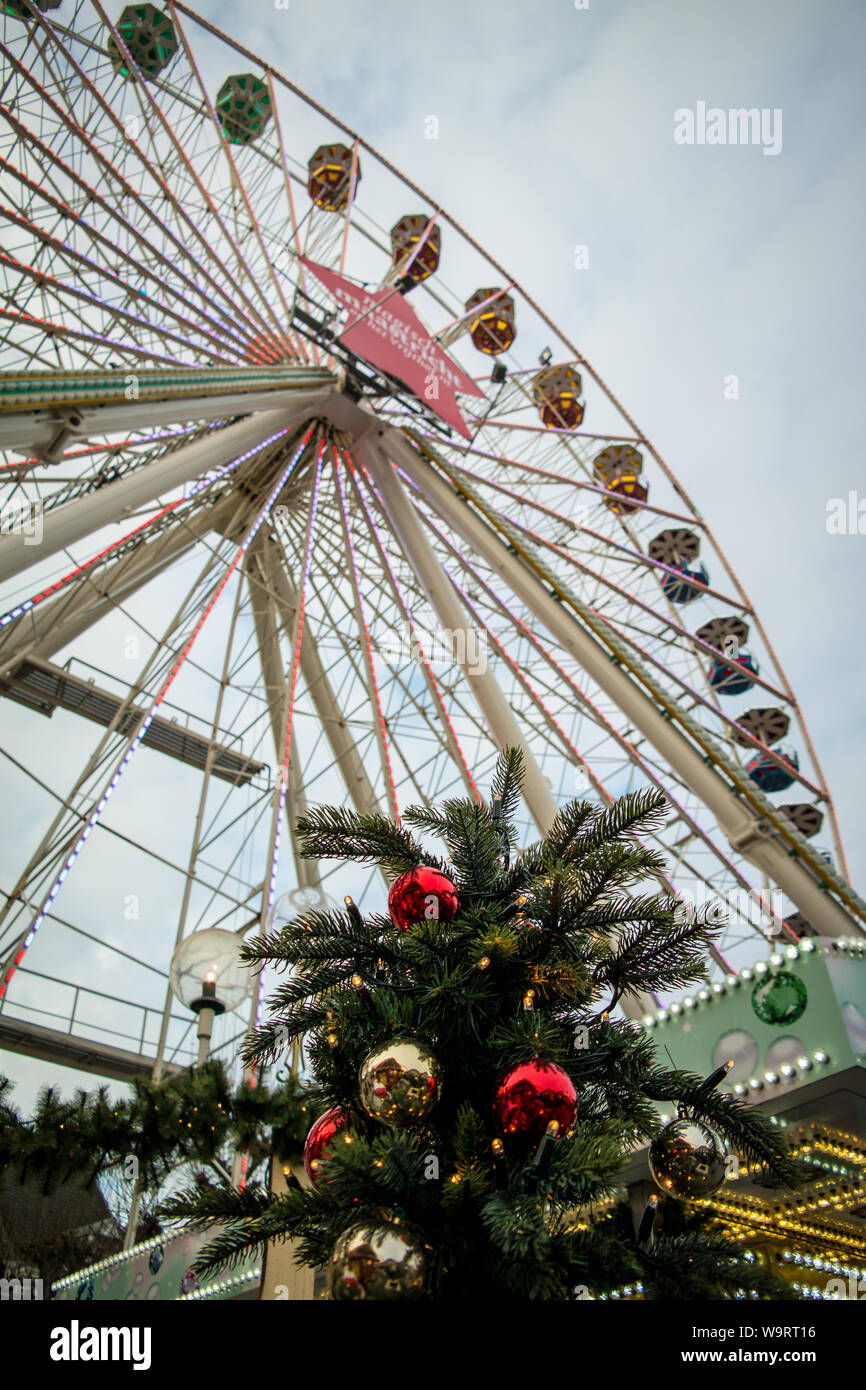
(529, 1096)
(420, 895)
(321, 1137)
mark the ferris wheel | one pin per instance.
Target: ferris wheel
(306, 500)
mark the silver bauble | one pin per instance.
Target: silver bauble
(687, 1160)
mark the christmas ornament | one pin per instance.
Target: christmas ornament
(320, 1138)
(399, 1082)
(157, 1255)
(529, 1096)
(688, 1158)
(421, 895)
(376, 1262)
(780, 998)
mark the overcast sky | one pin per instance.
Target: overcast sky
(556, 129)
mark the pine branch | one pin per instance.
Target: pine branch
(657, 954)
(575, 833)
(508, 781)
(334, 832)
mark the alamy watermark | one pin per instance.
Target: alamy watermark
(846, 516)
(740, 125)
(462, 646)
(22, 519)
(18, 1289)
(765, 911)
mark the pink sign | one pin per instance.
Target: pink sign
(384, 330)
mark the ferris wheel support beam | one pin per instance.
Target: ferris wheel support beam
(443, 599)
(747, 831)
(319, 688)
(87, 515)
(53, 625)
(266, 620)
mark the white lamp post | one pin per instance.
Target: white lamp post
(207, 976)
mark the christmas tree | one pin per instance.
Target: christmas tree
(479, 1099)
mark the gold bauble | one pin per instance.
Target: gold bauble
(399, 1082)
(376, 1262)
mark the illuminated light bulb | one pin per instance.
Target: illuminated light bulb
(484, 963)
(357, 982)
(529, 999)
(332, 1040)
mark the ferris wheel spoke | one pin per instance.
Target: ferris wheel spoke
(369, 662)
(141, 255)
(145, 93)
(440, 595)
(608, 544)
(109, 207)
(631, 751)
(279, 328)
(78, 262)
(350, 640)
(431, 682)
(742, 812)
(670, 629)
(123, 318)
